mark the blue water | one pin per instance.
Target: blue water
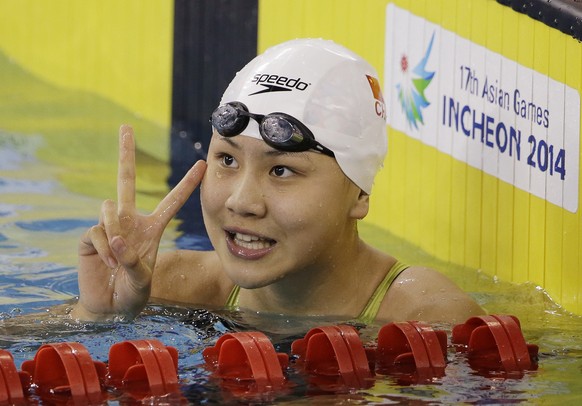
(41, 221)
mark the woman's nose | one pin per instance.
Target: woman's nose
(246, 197)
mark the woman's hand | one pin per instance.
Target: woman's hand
(118, 255)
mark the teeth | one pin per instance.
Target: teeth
(251, 241)
(246, 237)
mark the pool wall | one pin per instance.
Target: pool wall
(482, 172)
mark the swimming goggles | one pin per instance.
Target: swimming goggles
(279, 130)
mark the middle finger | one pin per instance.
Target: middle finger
(109, 219)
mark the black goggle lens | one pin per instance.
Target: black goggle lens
(227, 120)
(280, 131)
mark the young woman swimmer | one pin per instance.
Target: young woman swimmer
(298, 138)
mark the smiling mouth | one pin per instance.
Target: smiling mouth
(251, 242)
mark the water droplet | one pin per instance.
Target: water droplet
(113, 275)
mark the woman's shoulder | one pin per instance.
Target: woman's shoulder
(421, 293)
(193, 277)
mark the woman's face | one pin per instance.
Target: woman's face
(269, 213)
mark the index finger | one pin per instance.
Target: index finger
(180, 193)
(126, 170)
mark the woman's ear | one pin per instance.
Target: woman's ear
(361, 206)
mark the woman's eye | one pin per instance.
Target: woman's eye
(281, 171)
(228, 161)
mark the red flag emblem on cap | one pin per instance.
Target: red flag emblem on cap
(377, 92)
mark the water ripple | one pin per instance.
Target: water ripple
(55, 225)
(18, 186)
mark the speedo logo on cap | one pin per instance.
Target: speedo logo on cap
(276, 83)
(380, 106)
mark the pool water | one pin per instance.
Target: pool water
(41, 220)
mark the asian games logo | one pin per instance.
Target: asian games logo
(411, 89)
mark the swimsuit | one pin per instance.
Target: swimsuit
(370, 311)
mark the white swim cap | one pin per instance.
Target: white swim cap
(331, 90)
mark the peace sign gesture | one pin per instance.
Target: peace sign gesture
(118, 255)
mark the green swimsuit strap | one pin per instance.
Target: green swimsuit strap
(232, 300)
(369, 313)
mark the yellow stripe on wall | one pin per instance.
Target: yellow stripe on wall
(506, 192)
(489, 218)
(554, 247)
(571, 297)
(521, 225)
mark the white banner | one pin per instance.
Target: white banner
(482, 108)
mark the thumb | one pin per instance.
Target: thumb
(139, 274)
